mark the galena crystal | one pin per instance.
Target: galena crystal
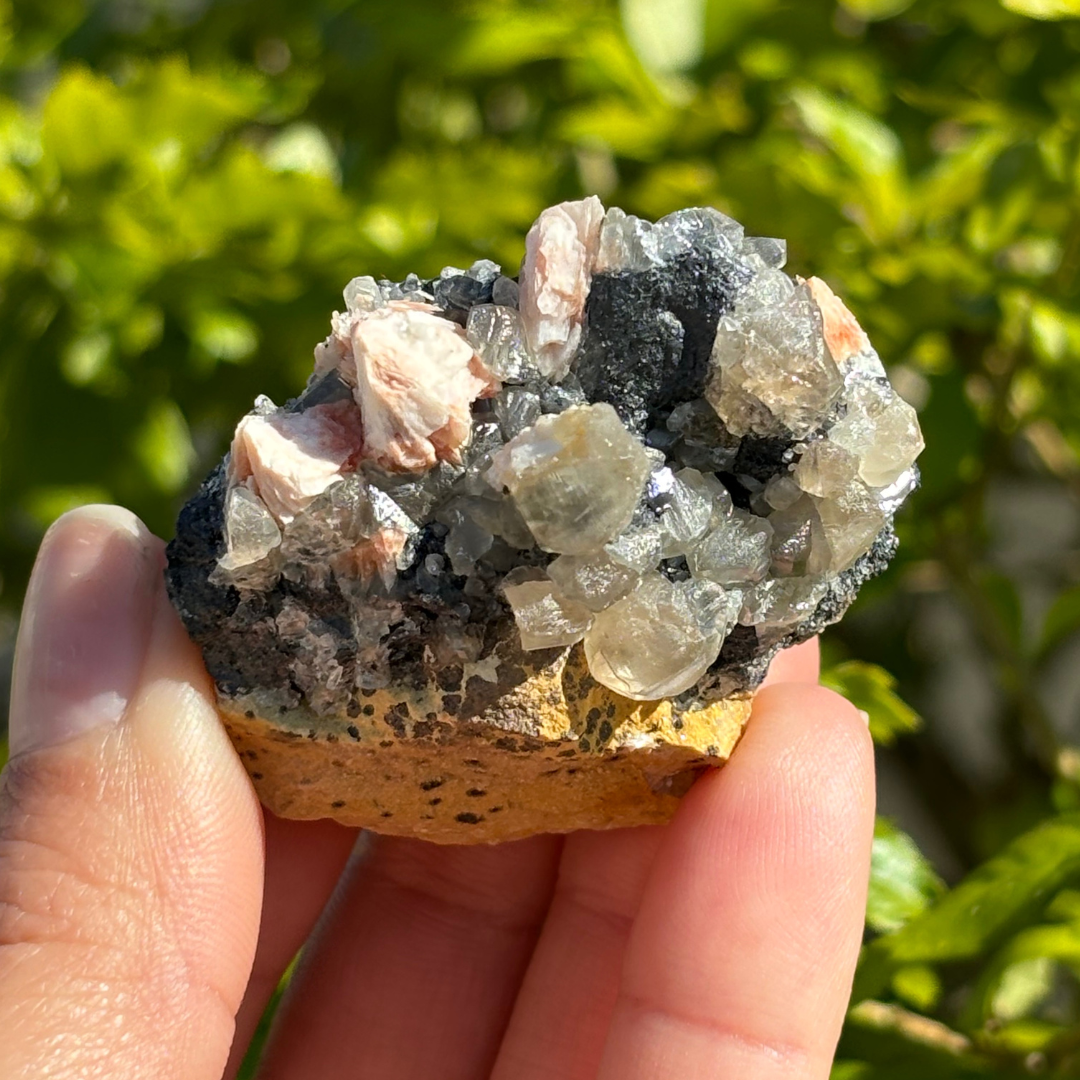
(654, 445)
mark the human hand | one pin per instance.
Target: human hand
(132, 877)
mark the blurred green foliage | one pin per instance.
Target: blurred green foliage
(185, 186)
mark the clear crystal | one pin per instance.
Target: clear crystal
(250, 530)
(799, 545)
(772, 373)
(771, 251)
(851, 520)
(363, 294)
(596, 581)
(517, 409)
(651, 644)
(693, 501)
(545, 618)
(495, 332)
(825, 468)
(570, 505)
(881, 430)
(640, 545)
(627, 243)
(780, 603)
(736, 551)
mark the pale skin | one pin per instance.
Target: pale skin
(148, 906)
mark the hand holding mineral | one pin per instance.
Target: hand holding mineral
(149, 906)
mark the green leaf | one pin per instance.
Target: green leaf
(163, 447)
(667, 35)
(993, 901)
(1044, 9)
(873, 689)
(872, 10)
(1062, 620)
(902, 882)
(87, 123)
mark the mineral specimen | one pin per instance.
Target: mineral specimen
(529, 544)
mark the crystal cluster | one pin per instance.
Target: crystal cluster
(653, 442)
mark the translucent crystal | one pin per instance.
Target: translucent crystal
(363, 294)
(780, 603)
(698, 228)
(851, 520)
(495, 332)
(771, 251)
(596, 581)
(772, 373)
(338, 519)
(704, 442)
(505, 291)
(545, 618)
(466, 543)
(627, 243)
(516, 409)
(799, 544)
(651, 644)
(825, 468)
(251, 532)
(571, 505)
(737, 550)
(640, 546)
(496, 514)
(692, 503)
(881, 430)
(781, 491)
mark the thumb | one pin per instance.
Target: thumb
(130, 845)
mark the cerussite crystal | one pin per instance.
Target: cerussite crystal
(654, 447)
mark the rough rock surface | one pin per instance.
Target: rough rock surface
(518, 555)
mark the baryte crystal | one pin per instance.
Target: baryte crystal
(651, 644)
(416, 378)
(736, 551)
(881, 430)
(570, 505)
(560, 250)
(843, 335)
(287, 459)
(825, 468)
(496, 333)
(545, 618)
(596, 581)
(774, 374)
(251, 533)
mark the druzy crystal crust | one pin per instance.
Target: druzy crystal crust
(653, 445)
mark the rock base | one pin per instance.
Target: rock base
(554, 752)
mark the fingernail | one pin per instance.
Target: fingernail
(84, 627)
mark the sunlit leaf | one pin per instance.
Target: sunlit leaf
(992, 901)
(163, 446)
(873, 689)
(1044, 9)
(902, 882)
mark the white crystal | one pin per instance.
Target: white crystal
(651, 644)
(575, 477)
(772, 372)
(596, 581)
(560, 250)
(627, 243)
(545, 618)
(736, 551)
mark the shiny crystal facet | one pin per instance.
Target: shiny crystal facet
(773, 374)
(596, 581)
(551, 470)
(881, 430)
(652, 644)
(496, 333)
(250, 530)
(737, 551)
(545, 618)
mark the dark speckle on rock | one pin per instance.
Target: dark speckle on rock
(469, 819)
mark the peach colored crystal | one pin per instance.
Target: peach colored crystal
(843, 334)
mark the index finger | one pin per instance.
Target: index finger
(741, 960)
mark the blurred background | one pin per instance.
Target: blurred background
(186, 185)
